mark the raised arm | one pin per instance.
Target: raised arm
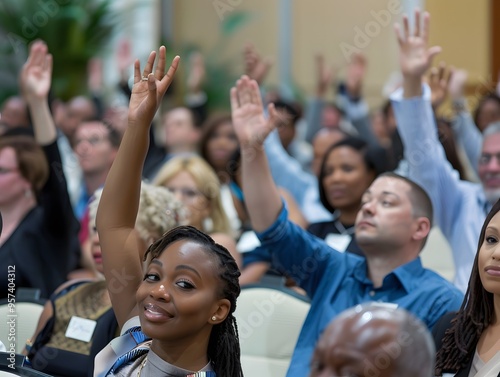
(34, 81)
(261, 194)
(427, 161)
(117, 212)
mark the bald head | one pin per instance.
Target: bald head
(374, 341)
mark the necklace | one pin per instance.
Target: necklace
(142, 366)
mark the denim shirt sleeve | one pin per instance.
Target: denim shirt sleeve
(296, 253)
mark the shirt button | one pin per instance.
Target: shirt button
(372, 293)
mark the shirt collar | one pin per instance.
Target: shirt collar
(405, 274)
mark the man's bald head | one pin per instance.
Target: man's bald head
(374, 341)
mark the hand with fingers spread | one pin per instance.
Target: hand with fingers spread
(324, 76)
(255, 67)
(247, 111)
(149, 88)
(356, 71)
(36, 74)
(438, 81)
(415, 57)
(197, 72)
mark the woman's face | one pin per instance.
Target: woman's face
(346, 178)
(13, 186)
(184, 187)
(179, 294)
(489, 257)
(489, 113)
(221, 145)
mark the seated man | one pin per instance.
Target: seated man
(391, 228)
(373, 340)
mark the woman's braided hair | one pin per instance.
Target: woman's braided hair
(223, 346)
(474, 316)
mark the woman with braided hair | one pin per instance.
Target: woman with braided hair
(468, 341)
(176, 307)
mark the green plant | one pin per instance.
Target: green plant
(74, 30)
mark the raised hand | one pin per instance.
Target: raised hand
(324, 76)
(247, 111)
(439, 80)
(36, 74)
(356, 71)
(197, 72)
(415, 56)
(255, 67)
(456, 86)
(149, 88)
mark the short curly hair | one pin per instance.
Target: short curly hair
(159, 211)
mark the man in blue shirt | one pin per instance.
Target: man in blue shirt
(391, 228)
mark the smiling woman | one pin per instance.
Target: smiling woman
(186, 297)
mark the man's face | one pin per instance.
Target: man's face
(179, 129)
(489, 167)
(385, 220)
(93, 148)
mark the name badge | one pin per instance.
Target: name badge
(248, 242)
(80, 329)
(338, 242)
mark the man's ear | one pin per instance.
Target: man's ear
(423, 228)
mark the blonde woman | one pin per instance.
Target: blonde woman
(55, 349)
(194, 182)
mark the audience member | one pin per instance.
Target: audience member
(53, 349)
(14, 113)
(391, 228)
(95, 144)
(349, 167)
(186, 298)
(459, 206)
(194, 182)
(373, 340)
(468, 341)
(218, 144)
(39, 227)
(322, 141)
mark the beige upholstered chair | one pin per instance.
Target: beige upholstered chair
(269, 320)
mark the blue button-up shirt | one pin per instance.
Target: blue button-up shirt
(336, 281)
(460, 207)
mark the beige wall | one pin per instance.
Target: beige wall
(461, 27)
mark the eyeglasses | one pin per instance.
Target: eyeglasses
(185, 192)
(7, 170)
(91, 140)
(485, 158)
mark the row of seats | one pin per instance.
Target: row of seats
(269, 318)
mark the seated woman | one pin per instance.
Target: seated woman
(349, 167)
(218, 143)
(39, 233)
(194, 182)
(185, 295)
(468, 341)
(56, 348)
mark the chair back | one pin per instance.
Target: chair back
(20, 318)
(269, 319)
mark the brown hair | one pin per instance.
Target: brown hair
(31, 159)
